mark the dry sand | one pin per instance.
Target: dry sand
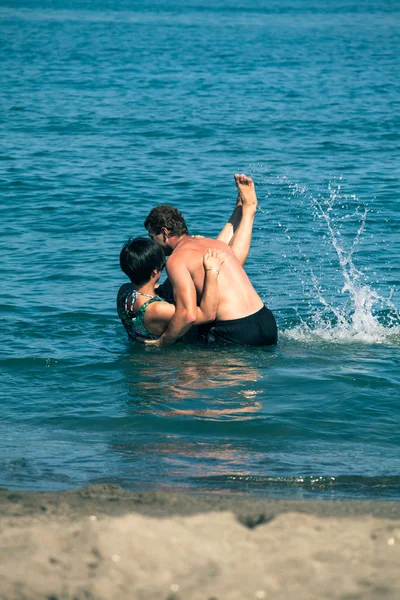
(103, 542)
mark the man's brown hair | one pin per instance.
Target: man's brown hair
(165, 215)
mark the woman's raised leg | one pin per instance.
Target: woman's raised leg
(241, 239)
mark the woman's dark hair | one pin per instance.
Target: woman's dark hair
(139, 258)
(165, 215)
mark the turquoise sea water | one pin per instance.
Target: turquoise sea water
(108, 108)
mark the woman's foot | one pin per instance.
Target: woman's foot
(247, 192)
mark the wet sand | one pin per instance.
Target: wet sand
(104, 542)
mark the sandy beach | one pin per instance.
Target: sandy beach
(104, 542)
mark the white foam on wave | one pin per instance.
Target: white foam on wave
(388, 336)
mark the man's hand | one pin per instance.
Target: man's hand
(148, 342)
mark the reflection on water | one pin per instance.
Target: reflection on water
(170, 459)
(197, 382)
(185, 401)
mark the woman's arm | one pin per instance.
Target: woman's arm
(207, 311)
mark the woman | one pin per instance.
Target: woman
(144, 314)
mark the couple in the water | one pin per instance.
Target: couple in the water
(207, 290)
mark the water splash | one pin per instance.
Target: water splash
(366, 316)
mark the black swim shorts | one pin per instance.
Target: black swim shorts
(258, 329)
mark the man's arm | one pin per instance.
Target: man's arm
(185, 303)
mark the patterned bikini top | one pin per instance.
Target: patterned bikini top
(131, 320)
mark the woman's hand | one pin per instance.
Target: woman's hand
(213, 260)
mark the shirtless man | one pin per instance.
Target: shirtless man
(242, 317)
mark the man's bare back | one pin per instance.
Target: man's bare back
(238, 298)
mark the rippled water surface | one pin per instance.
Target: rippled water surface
(107, 109)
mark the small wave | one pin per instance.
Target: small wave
(341, 486)
(344, 334)
(322, 481)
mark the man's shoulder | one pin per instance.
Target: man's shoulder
(178, 260)
(186, 256)
(194, 245)
(195, 248)
(189, 247)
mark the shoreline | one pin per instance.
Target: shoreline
(114, 501)
(103, 542)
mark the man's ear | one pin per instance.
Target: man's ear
(165, 233)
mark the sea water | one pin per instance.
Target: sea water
(107, 109)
